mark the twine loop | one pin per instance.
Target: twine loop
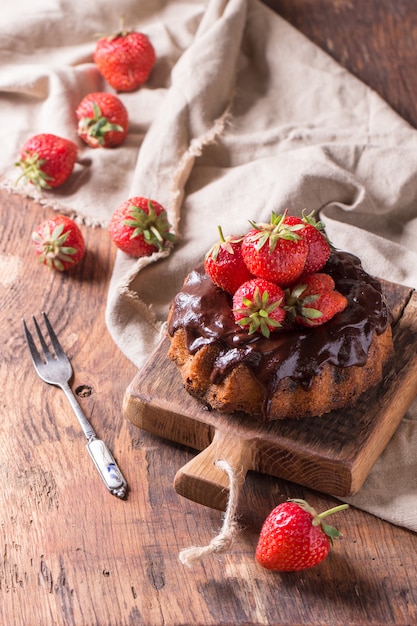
(222, 542)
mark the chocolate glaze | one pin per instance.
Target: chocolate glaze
(204, 311)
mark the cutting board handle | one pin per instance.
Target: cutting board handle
(202, 481)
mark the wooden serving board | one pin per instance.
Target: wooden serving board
(332, 454)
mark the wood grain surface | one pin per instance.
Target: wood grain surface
(71, 554)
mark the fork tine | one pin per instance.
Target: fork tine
(46, 352)
(36, 357)
(54, 339)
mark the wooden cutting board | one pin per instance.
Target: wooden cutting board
(332, 454)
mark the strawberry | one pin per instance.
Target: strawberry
(275, 251)
(294, 537)
(102, 120)
(59, 243)
(46, 160)
(319, 247)
(258, 306)
(313, 300)
(125, 59)
(139, 227)
(225, 265)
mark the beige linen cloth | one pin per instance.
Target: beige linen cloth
(242, 115)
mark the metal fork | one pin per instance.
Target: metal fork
(56, 369)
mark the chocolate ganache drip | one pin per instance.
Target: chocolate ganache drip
(205, 312)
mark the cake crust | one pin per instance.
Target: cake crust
(332, 389)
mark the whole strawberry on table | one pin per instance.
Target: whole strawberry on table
(46, 160)
(140, 227)
(102, 120)
(59, 243)
(294, 537)
(125, 59)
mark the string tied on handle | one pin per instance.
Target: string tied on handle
(221, 542)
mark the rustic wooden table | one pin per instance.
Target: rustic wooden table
(74, 555)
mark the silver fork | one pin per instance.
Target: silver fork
(56, 369)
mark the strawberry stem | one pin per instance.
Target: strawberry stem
(222, 239)
(317, 519)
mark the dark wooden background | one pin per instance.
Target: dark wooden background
(71, 554)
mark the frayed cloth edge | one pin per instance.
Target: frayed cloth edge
(55, 205)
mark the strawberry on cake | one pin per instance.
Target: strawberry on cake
(276, 323)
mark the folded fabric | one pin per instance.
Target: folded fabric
(242, 116)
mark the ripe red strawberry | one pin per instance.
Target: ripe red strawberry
(319, 247)
(225, 265)
(275, 251)
(59, 243)
(139, 227)
(125, 59)
(46, 160)
(294, 537)
(313, 300)
(258, 306)
(102, 120)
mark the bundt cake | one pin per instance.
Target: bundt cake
(292, 370)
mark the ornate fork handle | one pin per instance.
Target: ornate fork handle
(107, 467)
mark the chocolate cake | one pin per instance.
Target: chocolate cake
(296, 372)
